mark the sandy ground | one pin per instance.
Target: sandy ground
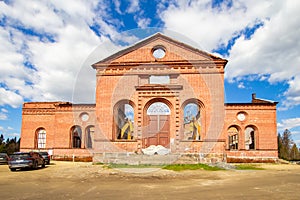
(67, 180)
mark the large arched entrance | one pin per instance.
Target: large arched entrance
(157, 125)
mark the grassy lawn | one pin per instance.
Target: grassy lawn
(248, 167)
(180, 167)
(174, 167)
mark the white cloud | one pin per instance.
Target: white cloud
(292, 94)
(59, 43)
(9, 132)
(288, 124)
(133, 6)
(10, 98)
(272, 51)
(3, 116)
(63, 39)
(143, 22)
(13, 135)
(241, 85)
(212, 27)
(4, 110)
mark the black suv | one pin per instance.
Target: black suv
(3, 158)
(46, 156)
(25, 160)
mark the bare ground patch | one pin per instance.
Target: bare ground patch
(68, 180)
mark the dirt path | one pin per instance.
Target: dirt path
(67, 180)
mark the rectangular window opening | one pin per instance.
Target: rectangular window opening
(159, 79)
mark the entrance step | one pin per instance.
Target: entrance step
(141, 159)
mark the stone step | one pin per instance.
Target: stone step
(140, 159)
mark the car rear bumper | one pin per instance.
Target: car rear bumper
(20, 165)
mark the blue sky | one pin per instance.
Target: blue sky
(44, 45)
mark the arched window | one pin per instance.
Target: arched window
(90, 131)
(41, 138)
(123, 120)
(76, 134)
(233, 137)
(249, 138)
(192, 121)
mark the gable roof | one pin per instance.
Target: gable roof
(150, 39)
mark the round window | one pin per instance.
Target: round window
(241, 116)
(158, 52)
(84, 117)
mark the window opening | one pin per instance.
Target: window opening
(158, 52)
(158, 108)
(90, 131)
(41, 138)
(249, 138)
(76, 137)
(159, 79)
(233, 135)
(125, 122)
(192, 122)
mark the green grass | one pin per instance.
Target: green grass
(174, 167)
(248, 167)
(181, 167)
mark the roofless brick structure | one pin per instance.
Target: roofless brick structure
(158, 93)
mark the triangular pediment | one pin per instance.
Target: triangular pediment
(174, 51)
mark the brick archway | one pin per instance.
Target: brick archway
(156, 123)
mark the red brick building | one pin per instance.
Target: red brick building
(156, 92)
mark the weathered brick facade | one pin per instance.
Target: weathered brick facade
(157, 92)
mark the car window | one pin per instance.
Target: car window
(19, 156)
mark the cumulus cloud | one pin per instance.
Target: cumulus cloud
(133, 6)
(44, 45)
(289, 123)
(262, 37)
(292, 94)
(11, 98)
(213, 26)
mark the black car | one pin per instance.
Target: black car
(21, 160)
(3, 158)
(46, 156)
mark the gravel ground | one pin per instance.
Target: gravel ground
(68, 180)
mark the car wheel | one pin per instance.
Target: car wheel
(43, 165)
(35, 165)
(13, 170)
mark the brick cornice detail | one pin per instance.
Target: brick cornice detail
(137, 68)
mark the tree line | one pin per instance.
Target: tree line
(287, 148)
(9, 146)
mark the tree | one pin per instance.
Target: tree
(294, 154)
(10, 146)
(1, 139)
(287, 149)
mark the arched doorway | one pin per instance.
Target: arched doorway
(157, 125)
(76, 134)
(250, 138)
